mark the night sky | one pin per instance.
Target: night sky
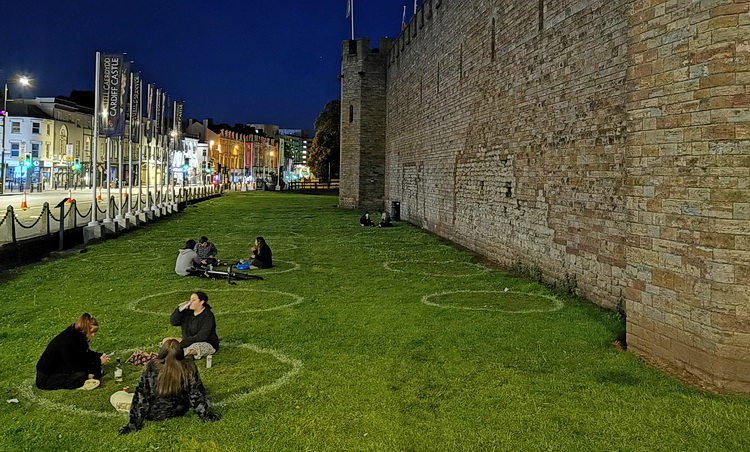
(236, 61)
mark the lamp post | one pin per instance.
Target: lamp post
(25, 81)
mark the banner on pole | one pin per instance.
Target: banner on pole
(135, 107)
(149, 113)
(110, 92)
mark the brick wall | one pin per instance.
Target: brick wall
(601, 140)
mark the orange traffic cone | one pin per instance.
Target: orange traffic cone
(70, 197)
(23, 203)
(99, 198)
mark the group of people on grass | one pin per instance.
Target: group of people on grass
(195, 258)
(169, 385)
(385, 220)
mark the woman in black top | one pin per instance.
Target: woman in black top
(169, 387)
(68, 362)
(198, 324)
(262, 256)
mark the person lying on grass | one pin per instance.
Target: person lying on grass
(68, 362)
(261, 254)
(169, 386)
(198, 324)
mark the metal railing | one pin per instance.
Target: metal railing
(13, 229)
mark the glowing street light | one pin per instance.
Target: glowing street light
(21, 80)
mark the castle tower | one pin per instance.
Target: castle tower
(363, 116)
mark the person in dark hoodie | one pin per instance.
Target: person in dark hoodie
(365, 220)
(68, 362)
(188, 263)
(198, 324)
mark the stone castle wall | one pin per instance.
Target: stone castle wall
(603, 142)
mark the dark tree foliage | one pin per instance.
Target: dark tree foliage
(324, 152)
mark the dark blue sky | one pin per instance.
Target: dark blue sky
(237, 61)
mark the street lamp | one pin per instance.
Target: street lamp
(22, 80)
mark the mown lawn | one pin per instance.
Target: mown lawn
(361, 339)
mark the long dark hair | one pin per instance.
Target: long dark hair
(175, 371)
(261, 243)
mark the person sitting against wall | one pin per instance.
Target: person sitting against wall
(188, 262)
(261, 256)
(169, 386)
(68, 362)
(206, 251)
(365, 220)
(198, 324)
(385, 221)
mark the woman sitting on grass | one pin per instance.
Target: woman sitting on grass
(262, 256)
(198, 324)
(169, 387)
(68, 362)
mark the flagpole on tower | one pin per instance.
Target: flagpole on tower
(350, 13)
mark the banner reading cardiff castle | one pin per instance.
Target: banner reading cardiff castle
(113, 82)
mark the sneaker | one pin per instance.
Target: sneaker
(90, 384)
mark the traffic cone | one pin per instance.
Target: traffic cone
(99, 198)
(70, 197)
(23, 203)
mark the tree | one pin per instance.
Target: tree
(324, 152)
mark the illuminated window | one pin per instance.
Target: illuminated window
(15, 127)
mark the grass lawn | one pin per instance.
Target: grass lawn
(360, 339)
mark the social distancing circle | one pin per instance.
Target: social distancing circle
(507, 301)
(234, 386)
(229, 301)
(443, 269)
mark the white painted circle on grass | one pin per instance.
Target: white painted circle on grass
(555, 303)
(450, 266)
(27, 390)
(295, 299)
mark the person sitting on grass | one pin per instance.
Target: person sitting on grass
(365, 220)
(169, 386)
(68, 362)
(198, 324)
(261, 257)
(207, 251)
(188, 263)
(385, 221)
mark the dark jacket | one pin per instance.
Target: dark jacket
(149, 405)
(264, 256)
(196, 328)
(69, 352)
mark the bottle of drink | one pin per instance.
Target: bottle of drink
(118, 371)
(209, 361)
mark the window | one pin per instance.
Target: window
(14, 149)
(351, 113)
(35, 127)
(15, 127)
(35, 150)
(47, 129)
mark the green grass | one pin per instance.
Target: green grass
(362, 339)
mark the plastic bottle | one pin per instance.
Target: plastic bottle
(118, 371)
(209, 361)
